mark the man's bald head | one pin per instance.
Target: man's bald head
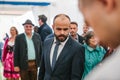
(61, 17)
(61, 27)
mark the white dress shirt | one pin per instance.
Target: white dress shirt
(61, 46)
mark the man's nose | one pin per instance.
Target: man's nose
(62, 31)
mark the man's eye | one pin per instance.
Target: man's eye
(58, 29)
(65, 29)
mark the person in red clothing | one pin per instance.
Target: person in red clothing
(8, 58)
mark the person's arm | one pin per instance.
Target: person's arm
(78, 64)
(4, 52)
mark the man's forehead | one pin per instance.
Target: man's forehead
(62, 22)
(62, 19)
(62, 27)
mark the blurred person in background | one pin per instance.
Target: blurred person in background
(85, 29)
(104, 17)
(94, 53)
(44, 30)
(27, 52)
(36, 29)
(8, 56)
(74, 34)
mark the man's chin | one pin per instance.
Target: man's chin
(62, 39)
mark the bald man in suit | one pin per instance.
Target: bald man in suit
(68, 63)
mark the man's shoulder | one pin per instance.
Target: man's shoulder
(47, 41)
(47, 27)
(77, 48)
(75, 43)
(20, 35)
(80, 37)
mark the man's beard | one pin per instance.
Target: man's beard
(72, 34)
(61, 39)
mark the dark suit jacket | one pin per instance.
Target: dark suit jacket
(20, 51)
(44, 31)
(80, 39)
(70, 63)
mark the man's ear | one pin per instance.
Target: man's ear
(109, 4)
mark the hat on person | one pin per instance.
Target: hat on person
(43, 18)
(28, 22)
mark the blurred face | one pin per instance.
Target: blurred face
(85, 28)
(73, 29)
(103, 17)
(28, 28)
(61, 28)
(13, 31)
(35, 29)
(40, 22)
(93, 41)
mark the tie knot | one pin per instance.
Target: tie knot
(57, 42)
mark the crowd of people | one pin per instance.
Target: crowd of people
(63, 54)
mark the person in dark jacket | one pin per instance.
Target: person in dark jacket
(27, 52)
(44, 30)
(74, 34)
(62, 58)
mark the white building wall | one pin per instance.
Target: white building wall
(68, 7)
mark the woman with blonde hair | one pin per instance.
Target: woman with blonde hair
(8, 56)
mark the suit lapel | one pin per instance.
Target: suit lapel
(64, 52)
(24, 39)
(48, 48)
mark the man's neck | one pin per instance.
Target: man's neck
(41, 24)
(74, 36)
(29, 35)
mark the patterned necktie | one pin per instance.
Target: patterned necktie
(55, 54)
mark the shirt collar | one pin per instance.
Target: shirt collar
(27, 36)
(92, 49)
(77, 38)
